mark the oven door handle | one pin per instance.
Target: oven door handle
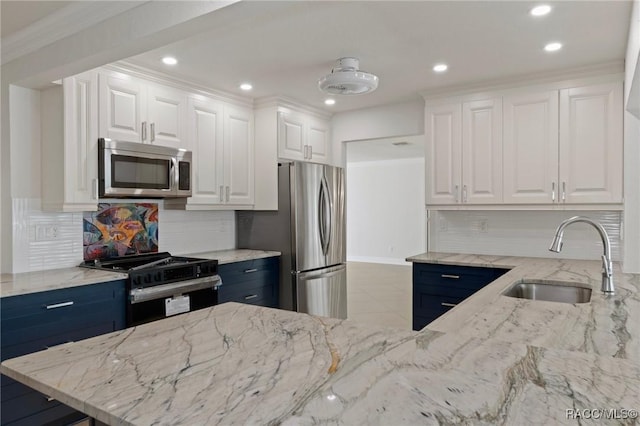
(138, 295)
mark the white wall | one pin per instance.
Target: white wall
(521, 233)
(385, 205)
(374, 123)
(631, 260)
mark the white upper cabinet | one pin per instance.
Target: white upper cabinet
(166, 114)
(545, 146)
(239, 156)
(122, 108)
(591, 144)
(220, 137)
(531, 147)
(464, 153)
(303, 137)
(135, 110)
(206, 143)
(482, 151)
(443, 129)
(70, 144)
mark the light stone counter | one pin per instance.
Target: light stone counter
(491, 360)
(54, 279)
(241, 364)
(608, 325)
(235, 255)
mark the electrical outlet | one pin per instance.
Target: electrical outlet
(484, 226)
(46, 232)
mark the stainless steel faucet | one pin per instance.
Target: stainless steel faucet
(607, 265)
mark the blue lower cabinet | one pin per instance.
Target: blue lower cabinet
(37, 321)
(439, 288)
(254, 282)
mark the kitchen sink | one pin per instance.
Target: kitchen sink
(550, 292)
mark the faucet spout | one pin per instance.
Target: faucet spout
(607, 264)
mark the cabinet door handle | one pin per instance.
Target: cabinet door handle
(251, 296)
(60, 305)
(464, 193)
(221, 193)
(227, 194)
(455, 277)
(306, 151)
(448, 305)
(152, 127)
(564, 190)
(248, 271)
(310, 151)
(94, 189)
(144, 131)
(553, 191)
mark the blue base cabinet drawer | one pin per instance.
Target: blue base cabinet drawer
(254, 282)
(439, 288)
(36, 321)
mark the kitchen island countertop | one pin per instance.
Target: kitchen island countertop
(241, 364)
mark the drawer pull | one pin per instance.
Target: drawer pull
(248, 271)
(251, 296)
(49, 398)
(455, 277)
(59, 305)
(449, 305)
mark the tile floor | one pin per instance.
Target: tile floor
(379, 294)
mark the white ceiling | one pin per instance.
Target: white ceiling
(287, 46)
(284, 47)
(384, 149)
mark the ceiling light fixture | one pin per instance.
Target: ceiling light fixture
(246, 86)
(541, 10)
(329, 101)
(169, 60)
(347, 79)
(553, 47)
(440, 67)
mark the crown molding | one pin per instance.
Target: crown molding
(177, 82)
(291, 104)
(568, 75)
(71, 19)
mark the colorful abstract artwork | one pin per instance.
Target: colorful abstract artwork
(120, 229)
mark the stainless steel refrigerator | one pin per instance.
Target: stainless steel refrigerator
(309, 230)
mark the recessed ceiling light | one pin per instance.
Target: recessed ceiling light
(541, 10)
(440, 67)
(329, 101)
(169, 60)
(246, 86)
(552, 47)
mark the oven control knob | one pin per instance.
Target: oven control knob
(147, 279)
(157, 277)
(137, 281)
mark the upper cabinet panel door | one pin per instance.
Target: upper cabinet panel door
(122, 102)
(238, 152)
(291, 140)
(443, 154)
(206, 143)
(318, 140)
(591, 144)
(530, 148)
(166, 115)
(482, 152)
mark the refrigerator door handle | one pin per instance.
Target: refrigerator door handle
(324, 215)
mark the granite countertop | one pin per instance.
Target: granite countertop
(53, 279)
(235, 255)
(493, 359)
(56, 279)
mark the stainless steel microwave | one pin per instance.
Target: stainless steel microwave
(136, 170)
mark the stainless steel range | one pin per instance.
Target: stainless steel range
(160, 285)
